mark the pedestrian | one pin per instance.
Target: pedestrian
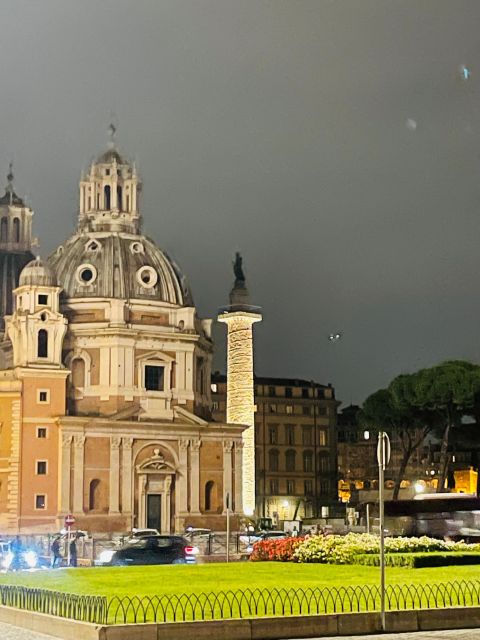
(73, 551)
(56, 555)
(295, 532)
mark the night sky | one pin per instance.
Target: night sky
(335, 144)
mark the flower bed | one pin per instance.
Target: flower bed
(344, 549)
(280, 549)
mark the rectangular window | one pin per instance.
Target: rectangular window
(308, 485)
(40, 501)
(322, 438)
(288, 392)
(290, 434)
(42, 299)
(306, 411)
(273, 408)
(307, 436)
(272, 435)
(322, 411)
(41, 432)
(305, 393)
(291, 487)
(272, 392)
(289, 409)
(154, 378)
(273, 487)
(43, 396)
(41, 467)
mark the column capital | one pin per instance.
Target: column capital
(195, 444)
(227, 446)
(79, 441)
(115, 442)
(127, 443)
(66, 441)
(183, 444)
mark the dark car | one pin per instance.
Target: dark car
(151, 550)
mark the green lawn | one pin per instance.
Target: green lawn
(159, 580)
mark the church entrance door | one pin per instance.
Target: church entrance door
(154, 511)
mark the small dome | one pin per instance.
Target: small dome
(37, 272)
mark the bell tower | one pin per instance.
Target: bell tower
(36, 328)
(15, 243)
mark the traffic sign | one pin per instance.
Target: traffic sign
(69, 520)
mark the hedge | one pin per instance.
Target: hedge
(418, 560)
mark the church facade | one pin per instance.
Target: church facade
(105, 405)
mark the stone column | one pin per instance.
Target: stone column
(78, 466)
(240, 391)
(238, 476)
(114, 502)
(227, 473)
(127, 478)
(65, 471)
(167, 485)
(142, 485)
(181, 489)
(195, 477)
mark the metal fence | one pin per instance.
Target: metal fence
(247, 603)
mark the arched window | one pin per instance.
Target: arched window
(290, 460)
(307, 461)
(209, 497)
(106, 195)
(42, 344)
(78, 372)
(119, 198)
(94, 495)
(16, 230)
(273, 459)
(4, 230)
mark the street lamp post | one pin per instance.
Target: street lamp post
(383, 457)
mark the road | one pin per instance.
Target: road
(7, 632)
(457, 634)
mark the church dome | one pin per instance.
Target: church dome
(118, 265)
(37, 272)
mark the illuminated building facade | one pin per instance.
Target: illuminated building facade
(105, 400)
(295, 445)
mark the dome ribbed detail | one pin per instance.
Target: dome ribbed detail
(37, 273)
(118, 265)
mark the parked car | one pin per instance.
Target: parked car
(143, 533)
(150, 550)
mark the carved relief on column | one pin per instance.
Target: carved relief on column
(227, 473)
(181, 493)
(114, 503)
(238, 476)
(78, 467)
(127, 476)
(195, 476)
(65, 473)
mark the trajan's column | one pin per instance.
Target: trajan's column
(239, 317)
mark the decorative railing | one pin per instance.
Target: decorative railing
(246, 603)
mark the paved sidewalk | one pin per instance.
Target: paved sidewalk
(7, 632)
(457, 634)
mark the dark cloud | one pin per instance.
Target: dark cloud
(280, 129)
